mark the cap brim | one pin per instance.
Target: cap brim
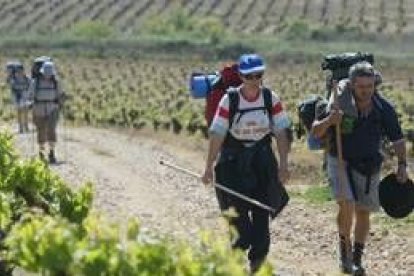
(252, 70)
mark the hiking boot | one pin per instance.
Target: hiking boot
(357, 268)
(255, 265)
(344, 256)
(52, 157)
(42, 156)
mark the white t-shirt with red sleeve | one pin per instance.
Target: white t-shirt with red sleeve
(252, 125)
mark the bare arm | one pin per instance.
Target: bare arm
(214, 147)
(30, 92)
(215, 144)
(400, 151)
(283, 147)
(60, 93)
(320, 127)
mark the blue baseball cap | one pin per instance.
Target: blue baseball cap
(251, 63)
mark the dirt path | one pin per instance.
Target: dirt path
(130, 182)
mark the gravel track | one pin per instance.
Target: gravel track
(129, 182)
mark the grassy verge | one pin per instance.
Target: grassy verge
(313, 194)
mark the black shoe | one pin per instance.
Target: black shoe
(346, 267)
(52, 157)
(42, 156)
(344, 256)
(255, 265)
(357, 268)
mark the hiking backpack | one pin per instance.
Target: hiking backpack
(37, 64)
(11, 68)
(36, 88)
(212, 87)
(338, 65)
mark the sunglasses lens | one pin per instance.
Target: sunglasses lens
(253, 76)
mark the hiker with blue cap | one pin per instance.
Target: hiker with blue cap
(241, 158)
(47, 98)
(355, 122)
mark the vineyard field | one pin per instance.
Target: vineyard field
(154, 94)
(247, 16)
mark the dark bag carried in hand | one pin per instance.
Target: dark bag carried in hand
(397, 199)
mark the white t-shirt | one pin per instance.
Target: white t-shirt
(252, 125)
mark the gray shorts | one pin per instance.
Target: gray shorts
(369, 201)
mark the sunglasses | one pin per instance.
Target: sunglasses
(253, 76)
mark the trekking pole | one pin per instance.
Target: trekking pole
(33, 154)
(27, 137)
(221, 187)
(341, 166)
(65, 136)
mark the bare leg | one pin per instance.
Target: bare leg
(20, 119)
(345, 218)
(362, 224)
(52, 156)
(344, 221)
(26, 119)
(42, 150)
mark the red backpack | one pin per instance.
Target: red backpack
(229, 77)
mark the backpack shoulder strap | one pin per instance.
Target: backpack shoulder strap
(267, 98)
(377, 101)
(378, 105)
(55, 83)
(233, 105)
(36, 88)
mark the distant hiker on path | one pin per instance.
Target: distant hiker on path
(241, 156)
(365, 118)
(47, 98)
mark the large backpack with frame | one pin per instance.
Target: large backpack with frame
(307, 109)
